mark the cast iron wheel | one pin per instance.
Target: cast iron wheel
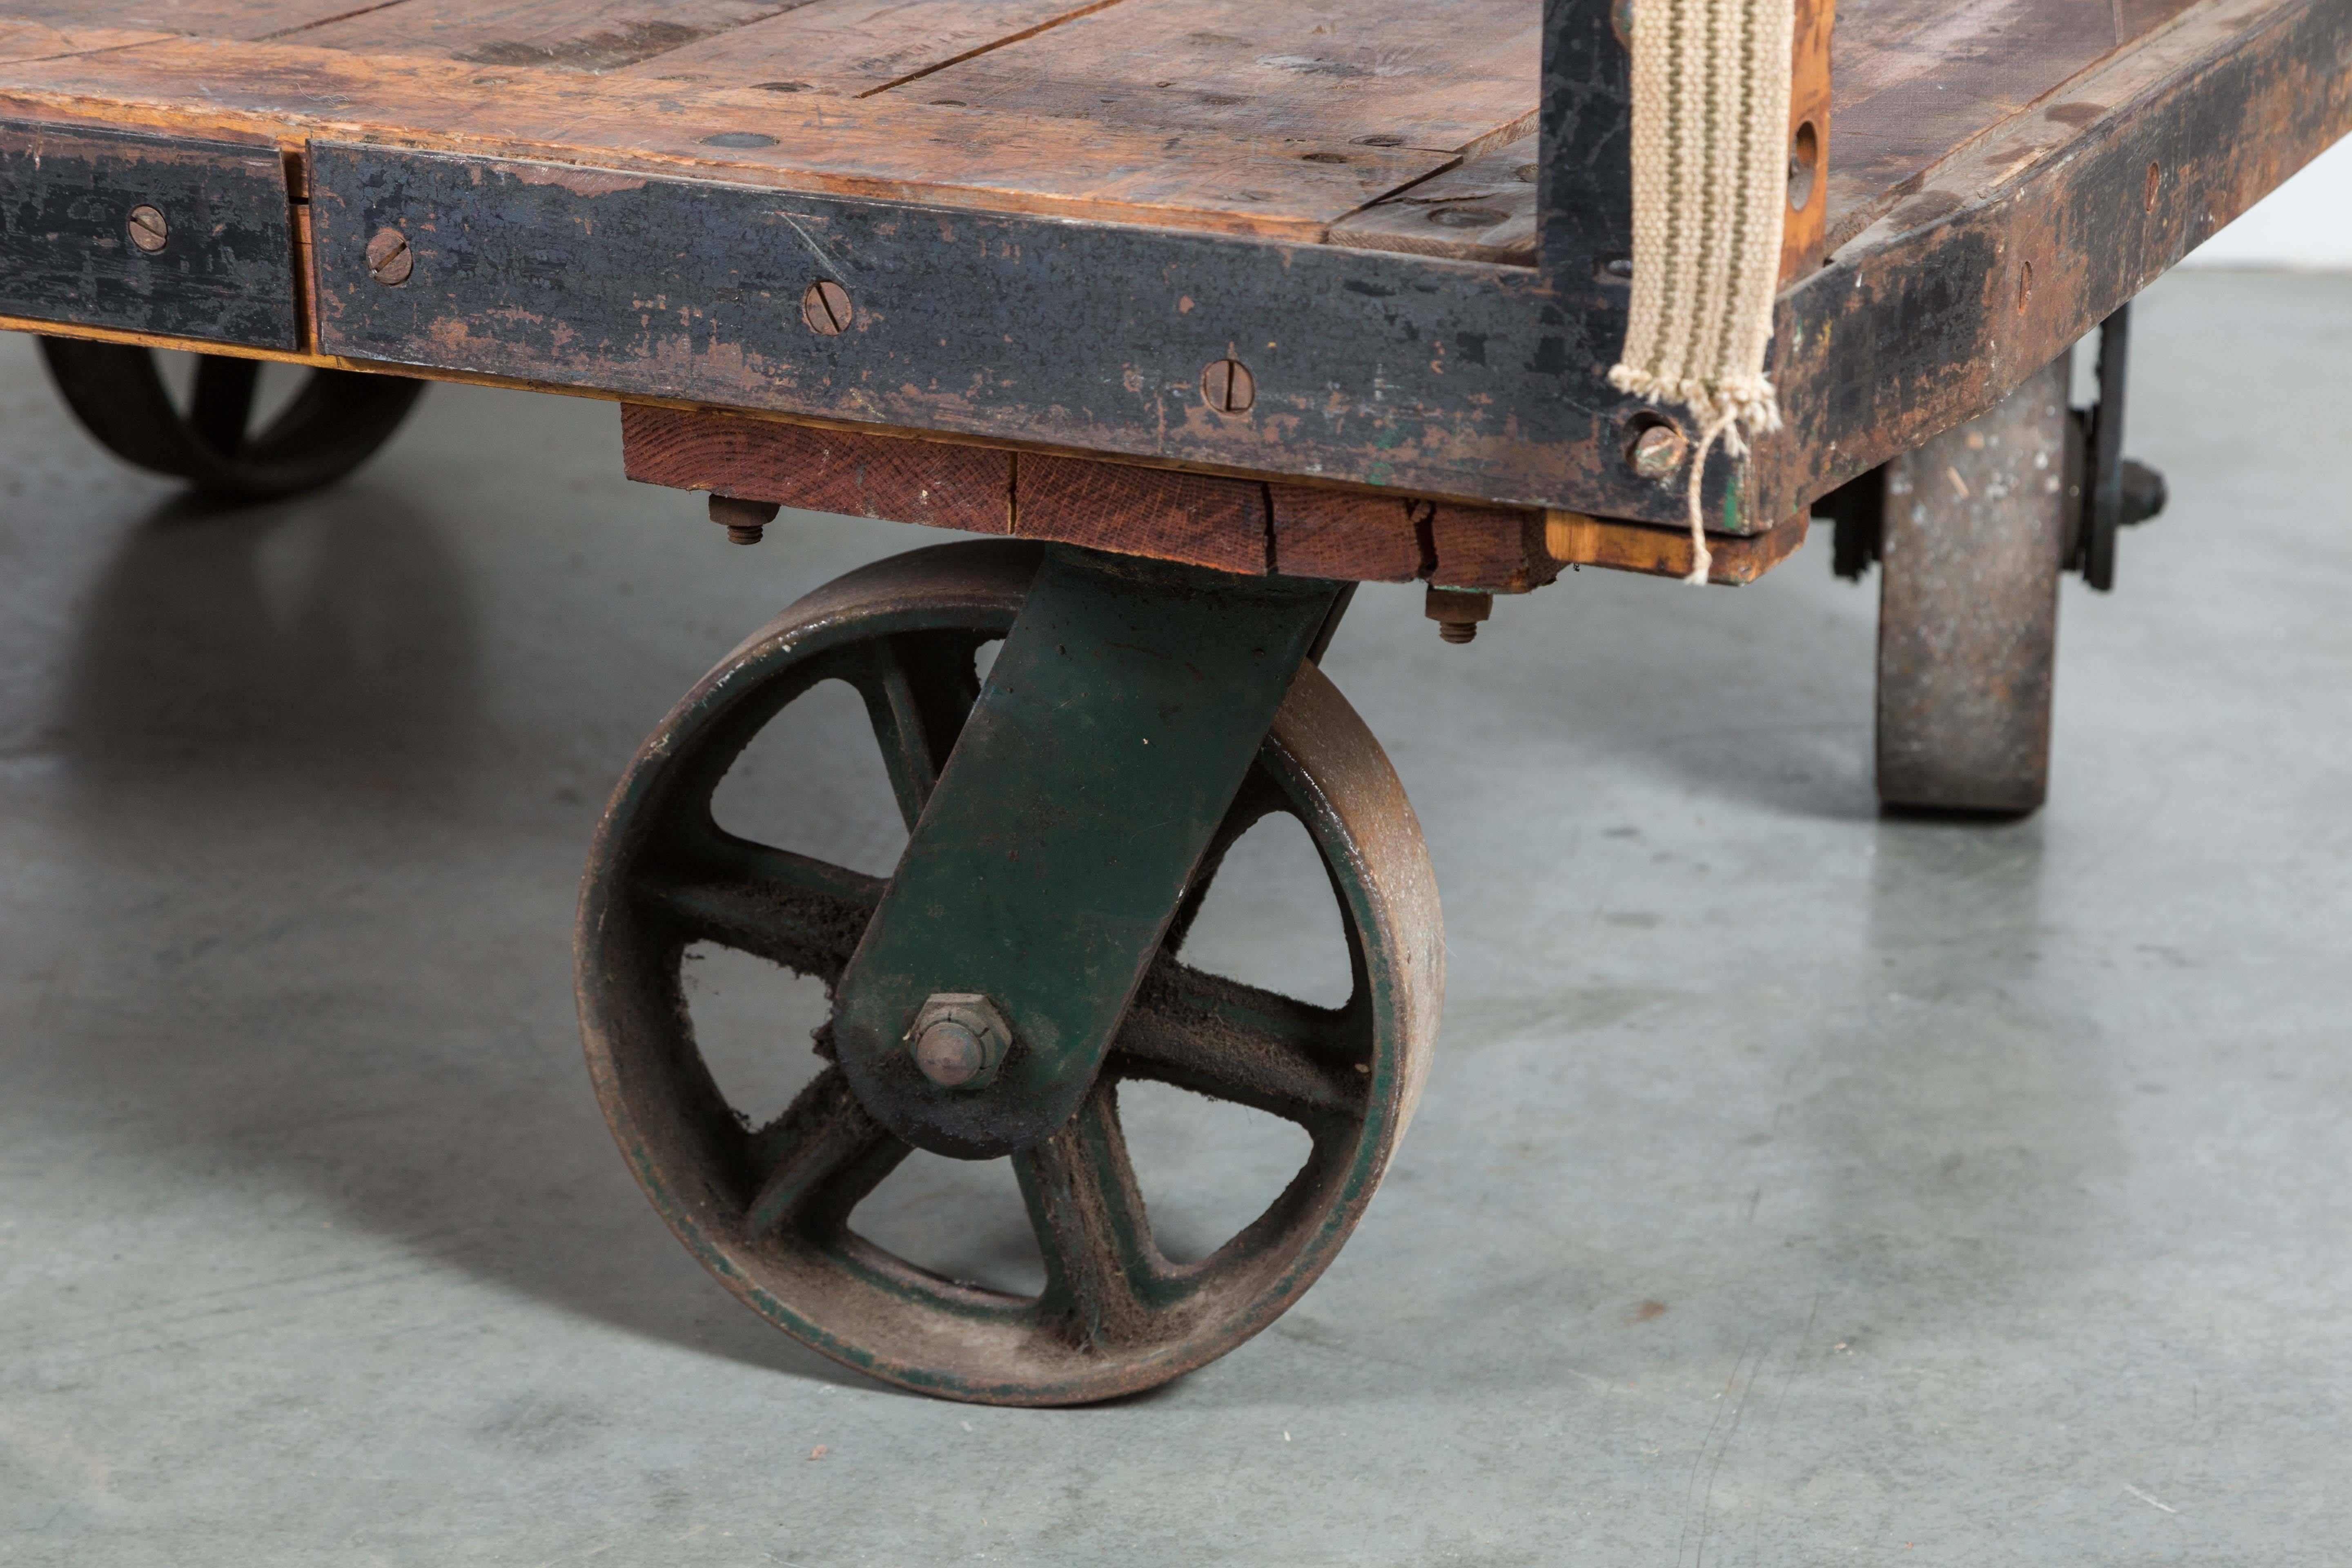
(335, 423)
(768, 1209)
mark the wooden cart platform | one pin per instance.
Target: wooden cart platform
(1335, 285)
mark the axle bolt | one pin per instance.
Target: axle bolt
(1457, 612)
(959, 1039)
(1658, 451)
(149, 232)
(746, 521)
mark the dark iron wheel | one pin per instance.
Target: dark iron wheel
(335, 423)
(770, 1210)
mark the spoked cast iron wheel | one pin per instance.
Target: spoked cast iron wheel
(330, 426)
(770, 1210)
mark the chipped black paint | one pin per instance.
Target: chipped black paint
(1082, 335)
(225, 274)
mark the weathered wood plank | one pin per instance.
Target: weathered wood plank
(852, 473)
(1804, 232)
(1377, 72)
(1481, 210)
(859, 46)
(1916, 80)
(883, 147)
(2012, 250)
(565, 35)
(210, 256)
(209, 18)
(23, 42)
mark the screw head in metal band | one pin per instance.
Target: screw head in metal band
(389, 259)
(149, 231)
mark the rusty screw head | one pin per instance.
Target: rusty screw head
(149, 232)
(1658, 451)
(825, 308)
(959, 1039)
(1228, 387)
(745, 521)
(1457, 612)
(389, 259)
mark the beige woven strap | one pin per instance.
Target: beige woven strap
(1710, 191)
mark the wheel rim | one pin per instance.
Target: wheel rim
(334, 423)
(769, 1210)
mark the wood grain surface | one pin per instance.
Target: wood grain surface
(859, 46)
(1453, 77)
(878, 147)
(851, 473)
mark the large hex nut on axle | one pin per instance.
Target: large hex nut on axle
(959, 1039)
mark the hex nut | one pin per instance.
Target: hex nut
(959, 1039)
(1457, 612)
(746, 521)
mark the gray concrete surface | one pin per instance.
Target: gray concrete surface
(1793, 1187)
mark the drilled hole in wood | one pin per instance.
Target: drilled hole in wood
(2024, 284)
(782, 85)
(739, 139)
(2155, 182)
(825, 308)
(1804, 166)
(1228, 387)
(1322, 157)
(1465, 218)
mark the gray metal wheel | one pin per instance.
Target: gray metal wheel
(770, 1210)
(1977, 529)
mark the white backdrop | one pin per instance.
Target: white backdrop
(2305, 223)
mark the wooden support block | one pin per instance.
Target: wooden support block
(1346, 536)
(1804, 233)
(1496, 550)
(1570, 538)
(1194, 518)
(940, 483)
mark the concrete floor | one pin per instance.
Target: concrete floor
(1793, 1186)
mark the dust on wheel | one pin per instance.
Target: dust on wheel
(335, 421)
(772, 1210)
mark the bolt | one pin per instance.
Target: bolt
(1659, 450)
(389, 259)
(959, 1039)
(1457, 612)
(149, 232)
(825, 308)
(1621, 21)
(744, 520)
(1228, 387)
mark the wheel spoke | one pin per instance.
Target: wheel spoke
(794, 910)
(918, 690)
(221, 406)
(1101, 1263)
(1256, 1048)
(819, 1160)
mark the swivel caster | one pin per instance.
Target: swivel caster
(773, 1210)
